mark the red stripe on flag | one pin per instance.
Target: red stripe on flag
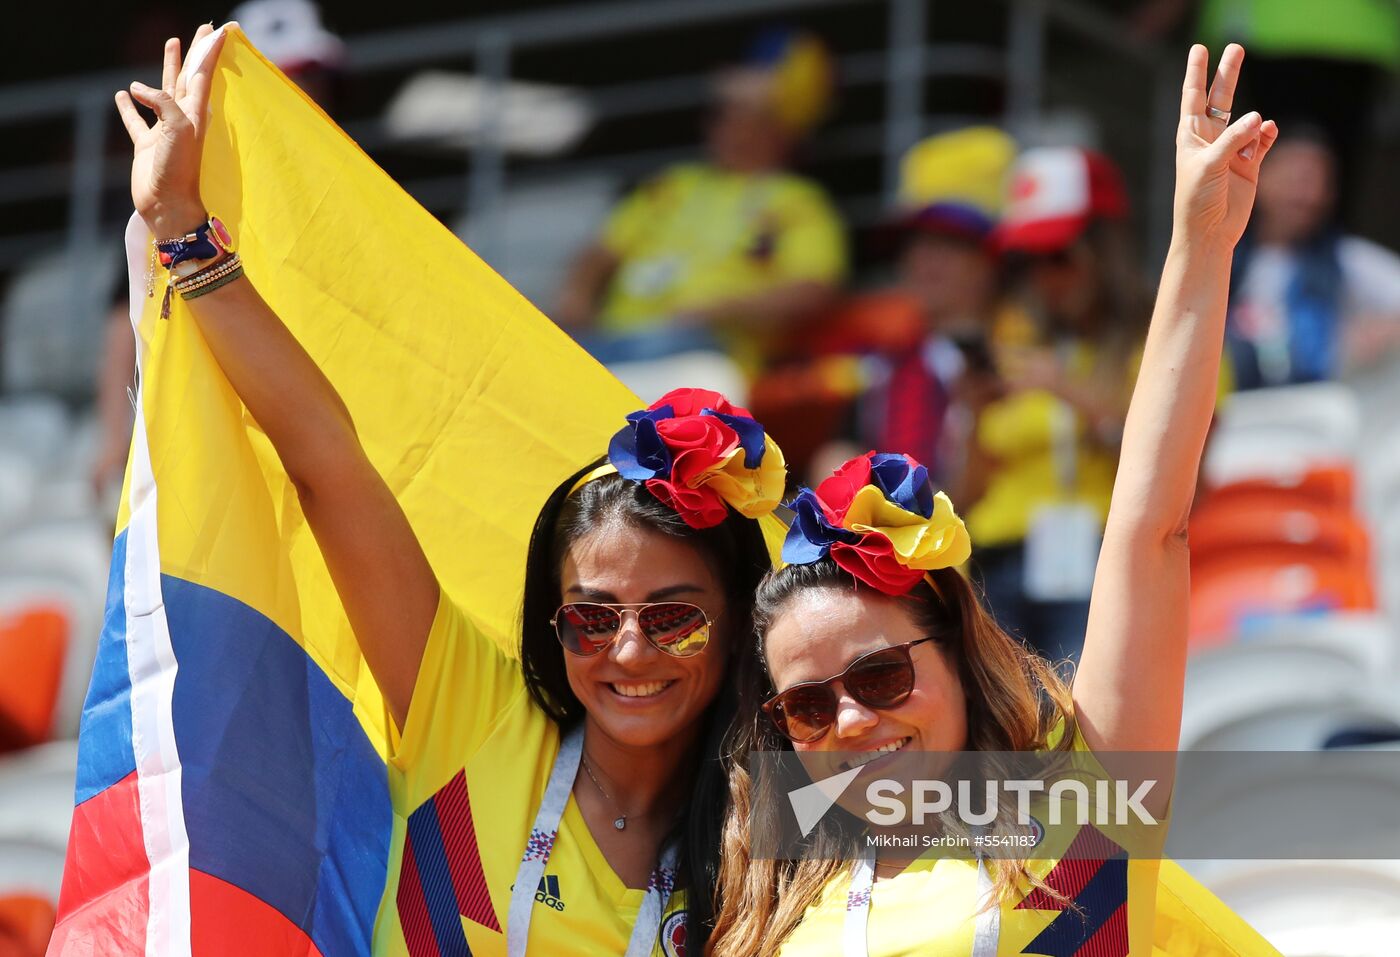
(1068, 877)
(1087, 852)
(1111, 939)
(463, 857)
(225, 919)
(104, 902)
(417, 927)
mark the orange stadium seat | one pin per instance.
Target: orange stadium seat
(1276, 523)
(1229, 591)
(25, 925)
(1331, 484)
(33, 643)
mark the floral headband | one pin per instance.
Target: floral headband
(878, 518)
(701, 455)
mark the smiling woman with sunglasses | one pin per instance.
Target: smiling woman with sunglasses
(568, 802)
(872, 642)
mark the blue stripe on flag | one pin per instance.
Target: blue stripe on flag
(104, 739)
(284, 795)
(434, 876)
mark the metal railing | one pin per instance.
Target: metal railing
(902, 67)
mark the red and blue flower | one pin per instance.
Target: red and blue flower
(701, 455)
(878, 517)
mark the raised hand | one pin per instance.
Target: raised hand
(1217, 161)
(165, 163)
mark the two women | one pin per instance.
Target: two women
(569, 802)
(597, 754)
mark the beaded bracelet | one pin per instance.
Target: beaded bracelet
(204, 281)
(207, 274)
(213, 284)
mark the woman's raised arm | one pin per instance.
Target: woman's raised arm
(384, 581)
(1128, 689)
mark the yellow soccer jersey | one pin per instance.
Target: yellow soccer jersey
(467, 776)
(697, 235)
(930, 909)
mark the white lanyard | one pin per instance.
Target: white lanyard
(854, 939)
(541, 843)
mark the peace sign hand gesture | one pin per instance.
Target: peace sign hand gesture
(1217, 162)
(165, 165)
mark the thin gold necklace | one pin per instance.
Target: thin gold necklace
(620, 822)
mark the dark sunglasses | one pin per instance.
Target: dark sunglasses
(586, 628)
(882, 679)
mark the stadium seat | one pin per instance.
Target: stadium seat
(1235, 592)
(1278, 457)
(1291, 712)
(79, 550)
(26, 922)
(52, 319)
(33, 643)
(1267, 523)
(1367, 638)
(1329, 412)
(1234, 683)
(36, 807)
(1313, 908)
(17, 486)
(36, 798)
(1333, 485)
(21, 591)
(35, 426)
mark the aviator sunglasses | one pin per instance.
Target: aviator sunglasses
(586, 628)
(883, 679)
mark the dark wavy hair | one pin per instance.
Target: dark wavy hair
(736, 551)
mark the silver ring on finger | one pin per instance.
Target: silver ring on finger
(1218, 114)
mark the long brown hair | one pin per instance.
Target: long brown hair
(1014, 700)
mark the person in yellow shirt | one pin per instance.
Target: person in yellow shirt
(568, 801)
(873, 643)
(1045, 443)
(722, 253)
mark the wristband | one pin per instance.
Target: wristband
(206, 241)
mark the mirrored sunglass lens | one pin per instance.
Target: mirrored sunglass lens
(678, 628)
(882, 680)
(805, 713)
(587, 629)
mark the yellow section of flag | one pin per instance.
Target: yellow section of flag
(472, 405)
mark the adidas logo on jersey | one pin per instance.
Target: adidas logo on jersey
(548, 892)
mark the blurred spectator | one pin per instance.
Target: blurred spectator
(1308, 302)
(1326, 63)
(291, 35)
(952, 187)
(885, 368)
(727, 251)
(1041, 466)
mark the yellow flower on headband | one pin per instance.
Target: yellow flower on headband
(939, 541)
(750, 492)
(879, 518)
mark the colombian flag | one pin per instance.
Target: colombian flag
(231, 794)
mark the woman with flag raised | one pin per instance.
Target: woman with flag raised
(873, 643)
(567, 802)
